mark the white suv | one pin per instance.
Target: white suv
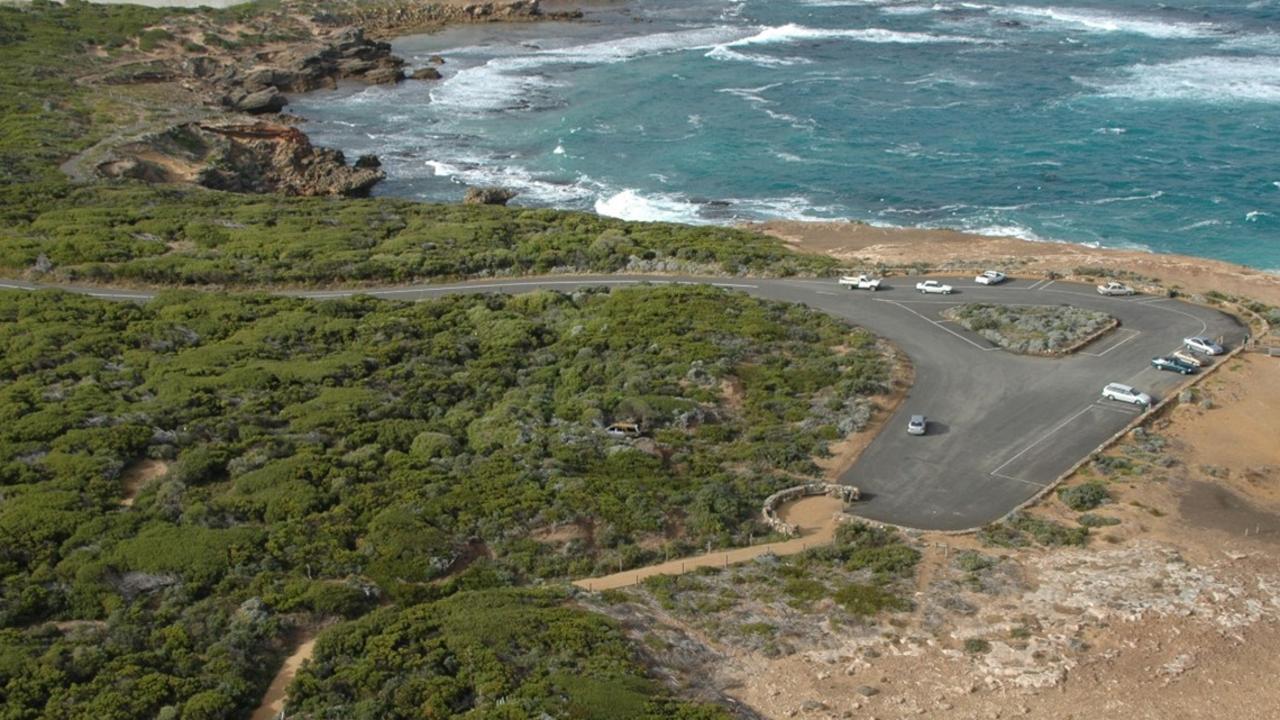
(1123, 393)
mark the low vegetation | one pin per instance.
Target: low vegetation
(151, 236)
(1020, 530)
(777, 605)
(329, 457)
(486, 653)
(1084, 497)
(1031, 329)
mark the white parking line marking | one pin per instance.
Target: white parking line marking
(1035, 284)
(1010, 477)
(1042, 438)
(1131, 412)
(1046, 285)
(939, 324)
(1134, 334)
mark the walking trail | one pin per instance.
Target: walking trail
(815, 516)
(273, 701)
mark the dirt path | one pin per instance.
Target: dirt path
(273, 701)
(815, 516)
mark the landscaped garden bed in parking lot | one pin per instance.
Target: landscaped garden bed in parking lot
(1033, 329)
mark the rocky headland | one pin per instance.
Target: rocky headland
(226, 79)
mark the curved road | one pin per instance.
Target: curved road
(1002, 426)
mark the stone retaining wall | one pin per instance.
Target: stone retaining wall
(847, 493)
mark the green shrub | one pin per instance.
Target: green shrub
(1084, 497)
(973, 561)
(977, 646)
(1090, 520)
(868, 600)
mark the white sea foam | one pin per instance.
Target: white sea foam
(1200, 79)
(630, 204)
(724, 52)
(792, 32)
(513, 82)
(1263, 42)
(485, 171)
(1091, 20)
(1201, 224)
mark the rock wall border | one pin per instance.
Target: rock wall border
(848, 493)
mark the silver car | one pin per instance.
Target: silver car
(917, 425)
(1124, 393)
(1203, 345)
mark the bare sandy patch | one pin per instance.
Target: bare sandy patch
(138, 475)
(274, 700)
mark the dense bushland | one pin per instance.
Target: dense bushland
(327, 457)
(199, 237)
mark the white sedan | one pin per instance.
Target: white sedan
(929, 287)
(991, 277)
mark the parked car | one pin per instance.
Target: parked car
(860, 282)
(1187, 358)
(1115, 288)
(930, 287)
(1202, 345)
(1124, 393)
(991, 277)
(1172, 364)
(917, 425)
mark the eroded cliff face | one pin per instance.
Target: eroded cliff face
(242, 156)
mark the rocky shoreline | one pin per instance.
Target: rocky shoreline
(230, 92)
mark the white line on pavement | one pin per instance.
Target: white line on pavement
(1016, 479)
(1132, 334)
(1042, 438)
(938, 324)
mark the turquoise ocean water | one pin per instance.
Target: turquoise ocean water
(1123, 124)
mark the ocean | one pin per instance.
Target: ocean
(1124, 124)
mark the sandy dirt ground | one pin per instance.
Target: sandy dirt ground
(274, 699)
(864, 246)
(138, 475)
(815, 516)
(1173, 613)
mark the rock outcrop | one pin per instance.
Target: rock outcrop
(391, 18)
(488, 196)
(311, 66)
(426, 73)
(249, 157)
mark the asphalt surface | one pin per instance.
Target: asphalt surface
(1001, 426)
